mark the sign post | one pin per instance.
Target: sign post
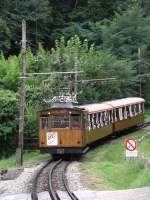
(131, 150)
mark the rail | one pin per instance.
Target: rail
(53, 193)
(72, 196)
(34, 195)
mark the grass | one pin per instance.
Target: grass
(144, 147)
(147, 114)
(109, 164)
(29, 157)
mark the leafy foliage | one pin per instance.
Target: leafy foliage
(49, 20)
(126, 32)
(37, 15)
(8, 112)
(9, 72)
(4, 35)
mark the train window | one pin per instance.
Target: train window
(44, 123)
(123, 113)
(127, 111)
(60, 121)
(110, 117)
(106, 117)
(142, 107)
(89, 123)
(101, 120)
(97, 120)
(117, 114)
(140, 110)
(136, 109)
(94, 121)
(133, 110)
(75, 121)
(130, 111)
(90, 118)
(120, 113)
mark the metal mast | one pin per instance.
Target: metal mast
(19, 158)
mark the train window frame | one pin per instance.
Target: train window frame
(78, 124)
(42, 125)
(67, 126)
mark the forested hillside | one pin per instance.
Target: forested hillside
(104, 37)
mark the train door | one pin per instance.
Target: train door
(76, 126)
(44, 127)
(68, 128)
(60, 124)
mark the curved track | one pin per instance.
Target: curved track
(34, 195)
(56, 180)
(62, 178)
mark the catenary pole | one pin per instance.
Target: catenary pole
(76, 66)
(19, 159)
(139, 71)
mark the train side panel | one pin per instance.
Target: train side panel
(98, 133)
(129, 122)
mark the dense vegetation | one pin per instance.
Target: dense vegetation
(103, 37)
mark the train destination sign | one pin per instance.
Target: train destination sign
(130, 146)
(52, 138)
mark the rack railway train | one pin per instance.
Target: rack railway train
(67, 128)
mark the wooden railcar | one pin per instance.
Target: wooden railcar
(66, 128)
(127, 113)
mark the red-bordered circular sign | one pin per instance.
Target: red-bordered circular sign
(130, 145)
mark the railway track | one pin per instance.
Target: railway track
(59, 169)
(34, 195)
(57, 181)
(145, 124)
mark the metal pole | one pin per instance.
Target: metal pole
(76, 74)
(139, 71)
(19, 156)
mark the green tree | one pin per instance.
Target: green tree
(9, 71)
(8, 112)
(95, 64)
(124, 35)
(127, 32)
(4, 36)
(37, 15)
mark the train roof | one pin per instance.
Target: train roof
(108, 105)
(125, 101)
(97, 107)
(62, 106)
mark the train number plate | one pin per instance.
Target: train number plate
(52, 138)
(60, 151)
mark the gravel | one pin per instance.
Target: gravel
(73, 177)
(22, 184)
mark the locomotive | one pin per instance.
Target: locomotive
(69, 128)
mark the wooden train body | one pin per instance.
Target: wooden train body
(67, 129)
